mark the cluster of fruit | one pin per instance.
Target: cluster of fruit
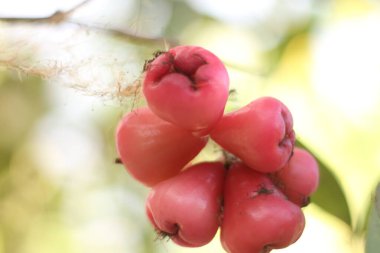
(254, 194)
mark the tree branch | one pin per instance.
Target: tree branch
(59, 17)
(137, 39)
(56, 17)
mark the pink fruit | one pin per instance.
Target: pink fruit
(261, 134)
(299, 178)
(152, 149)
(187, 207)
(257, 217)
(187, 86)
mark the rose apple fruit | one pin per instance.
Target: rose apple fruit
(257, 216)
(187, 86)
(152, 149)
(299, 178)
(186, 208)
(261, 134)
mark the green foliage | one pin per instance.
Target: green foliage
(373, 233)
(330, 195)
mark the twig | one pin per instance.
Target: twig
(127, 35)
(59, 17)
(56, 17)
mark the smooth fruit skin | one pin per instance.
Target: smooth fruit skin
(152, 149)
(186, 208)
(187, 86)
(257, 217)
(261, 134)
(299, 178)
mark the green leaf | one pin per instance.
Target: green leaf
(373, 233)
(377, 200)
(330, 195)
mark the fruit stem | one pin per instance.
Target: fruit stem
(229, 159)
(118, 160)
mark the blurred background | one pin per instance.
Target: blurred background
(67, 77)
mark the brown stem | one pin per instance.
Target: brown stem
(60, 17)
(56, 17)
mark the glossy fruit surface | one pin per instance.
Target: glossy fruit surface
(299, 178)
(152, 149)
(186, 208)
(261, 134)
(257, 217)
(187, 86)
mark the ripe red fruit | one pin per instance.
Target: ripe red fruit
(299, 178)
(261, 134)
(187, 86)
(152, 149)
(187, 207)
(257, 217)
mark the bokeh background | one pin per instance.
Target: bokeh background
(65, 83)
